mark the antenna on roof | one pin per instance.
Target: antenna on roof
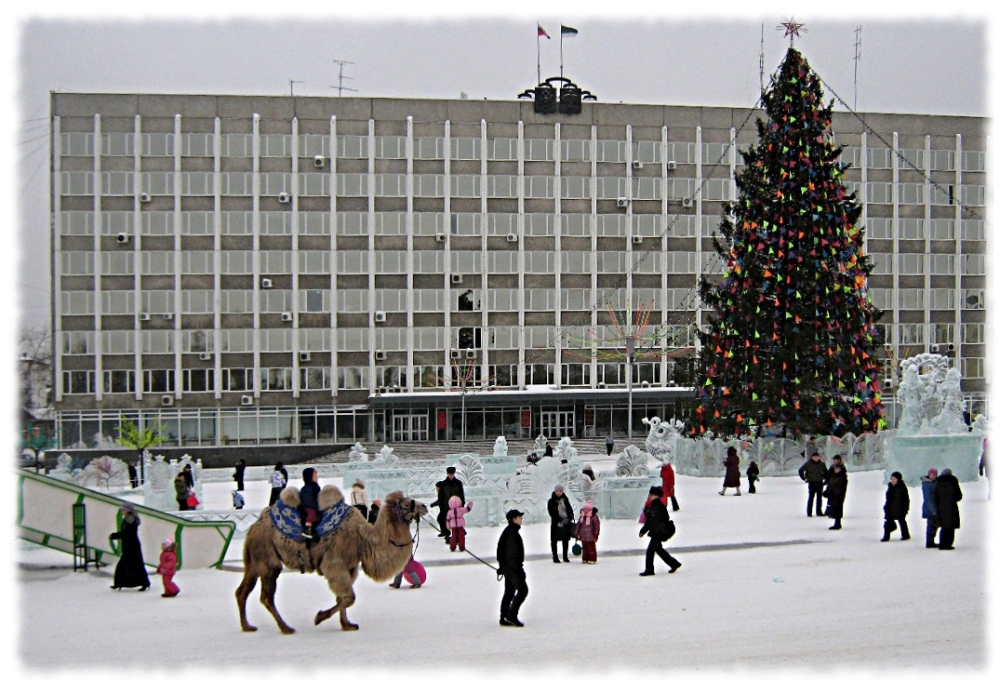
(762, 60)
(291, 86)
(340, 81)
(857, 58)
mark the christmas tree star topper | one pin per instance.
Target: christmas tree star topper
(792, 28)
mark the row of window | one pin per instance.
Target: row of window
(928, 263)
(936, 299)
(194, 144)
(932, 333)
(916, 193)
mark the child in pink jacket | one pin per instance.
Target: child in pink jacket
(456, 522)
(588, 529)
(168, 567)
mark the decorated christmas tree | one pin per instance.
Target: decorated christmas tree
(791, 340)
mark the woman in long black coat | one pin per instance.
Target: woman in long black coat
(836, 492)
(732, 478)
(897, 505)
(130, 571)
(947, 494)
(561, 514)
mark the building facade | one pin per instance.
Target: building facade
(301, 270)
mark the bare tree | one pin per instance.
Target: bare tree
(35, 366)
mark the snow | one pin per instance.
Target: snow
(762, 587)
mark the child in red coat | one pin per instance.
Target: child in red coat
(168, 567)
(588, 529)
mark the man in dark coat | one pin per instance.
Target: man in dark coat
(657, 525)
(947, 494)
(813, 472)
(309, 499)
(897, 505)
(928, 510)
(836, 492)
(130, 572)
(238, 475)
(510, 556)
(449, 486)
(561, 515)
(133, 476)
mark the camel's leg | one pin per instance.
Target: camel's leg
(242, 593)
(342, 585)
(268, 586)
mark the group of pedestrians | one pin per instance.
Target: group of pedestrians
(825, 482)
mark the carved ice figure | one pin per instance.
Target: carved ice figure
(530, 490)
(357, 454)
(540, 442)
(386, 457)
(104, 472)
(565, 450)
(981, 424)
(470, 471)
(500, 446)
(64, 463)
(632, 462)
(662, 437)
(908, 395)
(949, 392)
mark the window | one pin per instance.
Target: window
(539, 224)
(158, 183)
(465, 148)
(315, 378)
(681, 152)
(428, 262)
(878, 192)
(117, 302)
(502, 262)
(314, 339)
(880, 158)
(197, 144)
(77, 302)
(352, 184)
(390, 299)
(942, 264)
(973, 333)
(77, 223)
(236, 301)
(538, 149)
(157, 342)
(539, 262)
(715, 153)
(275, 262)
(197, 262)
(390, 262)
(428, 148)
(466, 186)
(197, 223)
(576, 224)
(574, 187)
(278, 146)
(197, 183)
(158, 380)
(390, 147)
(973, 367)
(974, 265)
(428, 300)
(158, 262)
(198, 379)
(611, 187)
(275, 339)
(575, 149)
(314, 184)
(647, 152)
(118, 144)
(611, 262)
(911, 334)
(650, 187)
(314, 262)
(502, 149)
(117, 263)
(972, 230)
(352, 300)
(911, 228)
(198, 340)
(430, 186)
(77, 143)
(78, 382)
(117, 342)
(278, 223)
(503, 299)
(77, 264)
(237, 379)
(911, 263)
(77, 183)
(942, 298)
(314, 145)
(911, 298)
(911, 159)
(539, 300)
(392, 185)
(236, 340)
(973, 161)
(942, 160)
(575, 262)
(237, 183)
(119, 381)
(575, 299)
(611, 151)
(881, 263)
(275, 301)
(117, 184)
(197, 301)
(681, 262)
(78, 342)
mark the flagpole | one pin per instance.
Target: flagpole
(560, 52)
(538, 55)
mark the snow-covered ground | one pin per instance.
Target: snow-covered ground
(762, 587)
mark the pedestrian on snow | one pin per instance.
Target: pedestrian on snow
(836, 491)
(753, 474)
(241, 467)
(455, 519)
(609, 441)
(450, 486)
(810, 447)
(188, 475)
(238, 501)
(561, 515)
(667, 484)
(373, 511)
(279, 480)
(588, 530)
(359, 497)
(410, 570)
(181, 491)
(929, 510)
(897, 505)
(133, 476)
(309, 501)
(947, 494)
(192, 500)
(660, 528)
(168, 567)
(130, 572)
(510, 556)
(984, 470)
(441, 503)
(732, 478)
(813, 472)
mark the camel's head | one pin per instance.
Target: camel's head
(403, 508)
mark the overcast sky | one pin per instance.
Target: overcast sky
(913, 64)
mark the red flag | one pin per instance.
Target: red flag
(541, 32)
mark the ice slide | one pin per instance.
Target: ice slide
(45, 515)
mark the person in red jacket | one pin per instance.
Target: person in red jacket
(168, 567)
(667, 482)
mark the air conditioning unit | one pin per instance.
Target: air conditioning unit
(637, 239)
(286, 316)
(687, 202)
(167, 400)
(305, 356)
(380, 355)
(456, 278)
(205, 356)
(943, 347)
(440, 238)
(145, 198)
(379, 317)
(246, 400)
(456, 354)
(887, 383)
(284, 197)
(168, 316)
(511, 238)
(671, 165)
(470, 354)
(637, 165)
(123, 238)
(622, 202)
(266, 283)
(602, 386)
(319, 161)
(144, 316)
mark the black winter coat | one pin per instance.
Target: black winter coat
(449, 488)
(947, 494)
(897, 501)
(657, 517)
(240, 469)
(510, 549)
(836, 492)
(130, 572)
(557, 532)
(813, 471)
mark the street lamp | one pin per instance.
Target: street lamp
(629, 357)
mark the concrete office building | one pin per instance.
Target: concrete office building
(309, 270)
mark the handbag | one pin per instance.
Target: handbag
(577, 548)
(670, 530)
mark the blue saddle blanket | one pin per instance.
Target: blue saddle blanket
(289, 522)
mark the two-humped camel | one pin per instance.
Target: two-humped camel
(381, 550)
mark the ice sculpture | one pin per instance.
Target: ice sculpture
(500, 446)
(357, 454)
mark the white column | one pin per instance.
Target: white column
(334, 363)
(98, 346)
(55, 234)
(178, 263)
(256, 254)
(296, 387)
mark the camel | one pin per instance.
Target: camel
(381, 550)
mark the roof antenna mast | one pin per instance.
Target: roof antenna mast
(857, 58)
(340, 87)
